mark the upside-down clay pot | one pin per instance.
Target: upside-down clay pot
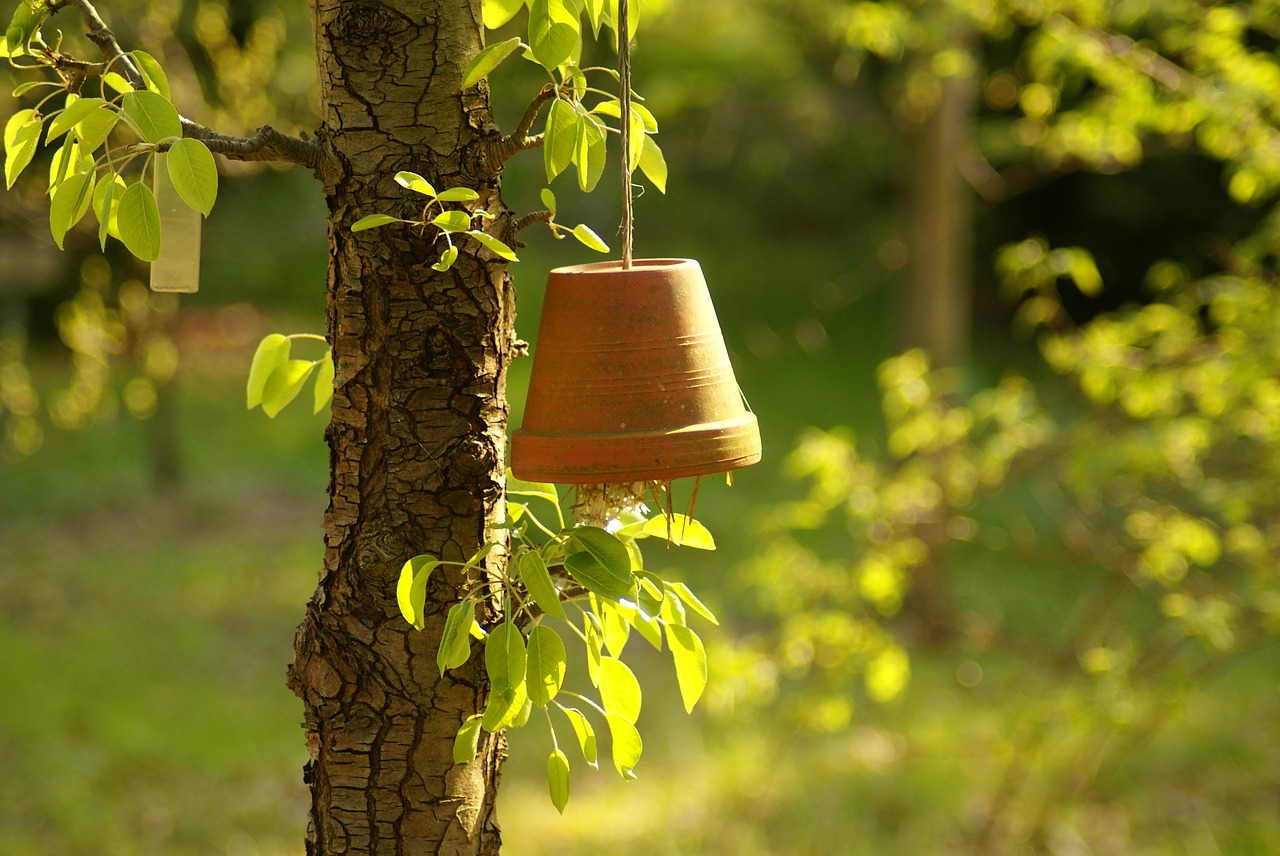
(631, 380)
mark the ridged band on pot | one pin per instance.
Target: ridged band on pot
(631, 380)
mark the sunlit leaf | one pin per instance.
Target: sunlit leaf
(680, 530)
(21, 137)
(455, 640)
(548, 199)
(458, 194)
(324, 382)
(627, 745)
(106, 200)
(139, 222)
(447, 258)
(453, 221)
(606, 548)
(467, 742)
(546, 664)
(498, 12)
(537, 579)
(495, 246)
(271, 354)
(373, 221)
(193, 173)
(682, 591)
(559, 138)
(151, 115)
(584, 732)
(653, 165)
(414, 182)
(157, 80)
(70, 203)
(589, 238)
(553, 32)
(93, 129)
(503, 711)
(619, 689)
(71, 116)
(488, 59)
(542, 490)
(505, 658)
(411, 590)
(284, 384)
(558, 779)
(690, 659)
(589, 152)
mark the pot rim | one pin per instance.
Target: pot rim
(614, 266)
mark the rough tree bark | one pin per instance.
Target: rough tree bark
(416, 441)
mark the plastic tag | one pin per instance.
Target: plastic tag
(178, 266)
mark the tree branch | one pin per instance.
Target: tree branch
(267, 145)
(499, 151)
(100, 34)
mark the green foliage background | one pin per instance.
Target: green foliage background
(1026, 608)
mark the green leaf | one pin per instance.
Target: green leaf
(690, 658)
(23, 27)
(541, 490)
(682, 591)
(546, 664)
(66, 161)
(558, 779)
(23, 88)
(271, 354)
(505, 658)
(649, 121)
(627, 745)
(495, 246)
(594, 577)
(458, 194)
(595, 13)
(284, 384)
(648, 627)
(503, 712)
(553, 32)
(117, 82)
(447, 258)
(559, 138)
(415, 182)
(139, 222)
(619, 689)
(453, 221)
(672, 613)
(455, 640)
(157, 80)
(608, 550)
(649, 593)
(467, 742)
(193, 173)
(71, 116)
(487, 60)
(152, 116)
(653, 164)
(324, 382)
(373, 221)
(617, 630)
(595, 637)
(411, 590)
(70, 202)
(584, 732)
(548, 199)
(537, 579)
(106, 199)
(93, 129)
(635, 139)
(680, 530)
(584, 234)
(498, 12)
(589, 153)
(21, 137)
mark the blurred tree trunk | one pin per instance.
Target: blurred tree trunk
(935, 309)
(416, 441)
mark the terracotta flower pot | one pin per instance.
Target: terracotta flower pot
(631, 380)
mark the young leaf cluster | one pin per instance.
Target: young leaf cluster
(577, 123)
(106, 141)
(276, 377)
(582, 583)
(441, 220)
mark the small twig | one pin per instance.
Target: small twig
(499, 151)
(530, 219)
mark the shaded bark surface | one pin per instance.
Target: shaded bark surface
(416, 441)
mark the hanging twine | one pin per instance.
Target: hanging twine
(624, 74)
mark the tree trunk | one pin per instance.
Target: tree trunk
(936, 304)
(416, 441)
